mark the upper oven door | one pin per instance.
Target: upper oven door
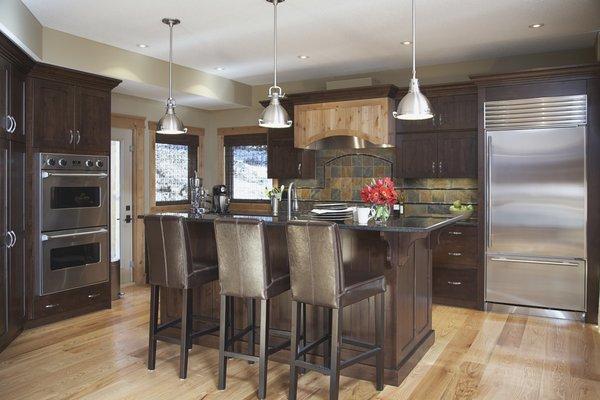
(73, 199)
(73, 258)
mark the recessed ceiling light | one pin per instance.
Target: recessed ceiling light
(407, 43)
(303, 57)
(533, 26)
(142, 46)
(220, 68)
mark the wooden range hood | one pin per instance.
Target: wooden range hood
(345, 118)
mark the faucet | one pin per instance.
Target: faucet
(292, 198)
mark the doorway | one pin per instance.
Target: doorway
(121, 203)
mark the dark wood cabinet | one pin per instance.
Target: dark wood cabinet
(12, 239)
(70, 110)
(456, 267)
(17, 104)
(437, 155)
(53, 116)
(284, 160)
(92, 119)
(457, 155)
(450, 112)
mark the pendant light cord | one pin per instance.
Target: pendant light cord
(170, 60)
(414, 44)
(275, 2)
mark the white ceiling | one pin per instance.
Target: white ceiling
(341, 37)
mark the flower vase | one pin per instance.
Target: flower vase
(275, 205)
(381, 213)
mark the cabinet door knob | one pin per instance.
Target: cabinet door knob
(455, 233)
(93, 295)
(299, 168)
(70, 136)
(9, 124)
(454, 254)
(454, 283)
(78, 136)
(51, 305)
(440, 166)
(433, 167)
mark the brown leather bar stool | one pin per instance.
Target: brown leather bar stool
(246, 271)
(318, 277)
(171, 264)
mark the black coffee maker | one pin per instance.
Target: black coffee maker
(220, 199)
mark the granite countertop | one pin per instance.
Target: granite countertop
(403, 224)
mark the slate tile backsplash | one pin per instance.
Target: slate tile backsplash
(341, 174)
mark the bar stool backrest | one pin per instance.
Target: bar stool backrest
(243, 254)
(316, 266)
(168, 248)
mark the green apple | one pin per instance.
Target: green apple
(457, 204)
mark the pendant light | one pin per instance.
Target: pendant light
(169, 124)
(414, 105)
(274, 115)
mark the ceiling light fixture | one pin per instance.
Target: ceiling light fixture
(534, 26)
(407, 43)
(220, 68)
(142, 46)
(414, 105)
(274, 115)
(303, 57)
(169, 124)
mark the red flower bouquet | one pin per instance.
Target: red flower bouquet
(381, 195)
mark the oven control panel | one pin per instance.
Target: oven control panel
(73, 162)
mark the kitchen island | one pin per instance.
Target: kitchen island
(401, 249)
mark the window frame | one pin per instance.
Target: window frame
(242, 139)
(195, 140)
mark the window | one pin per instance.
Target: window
(176, 160)
(246, 166)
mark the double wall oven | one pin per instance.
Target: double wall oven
(74, 212)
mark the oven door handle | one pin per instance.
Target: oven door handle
(65, 235)
(83, 175)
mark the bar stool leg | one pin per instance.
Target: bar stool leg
(303, 340)
(154, 294)
(294, 350)
(379, 328)
(183, 353)
(336, 336)
(265, 306)
(223, 331)
(252, 323)
(190, 316)
(327, 322)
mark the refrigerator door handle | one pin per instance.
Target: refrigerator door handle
(526, 261)
(488, 193)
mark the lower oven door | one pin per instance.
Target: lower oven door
(73, 258)
(73, 199)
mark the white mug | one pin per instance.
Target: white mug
(363, 215)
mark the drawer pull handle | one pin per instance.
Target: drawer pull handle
(93, 295)
(455, 254)
(455, 233)
(51, 305)
(454, 283)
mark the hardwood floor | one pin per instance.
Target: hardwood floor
(476, 355)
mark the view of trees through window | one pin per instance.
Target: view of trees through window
(248, 168)
(172, 162)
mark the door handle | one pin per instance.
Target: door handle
(455, 254)
(13, 124)
(14, 239)
(455, 283)
(455, 233)
(65, 235)
(9, 124)
(78, 136)
(440, 167)
(543, 262)
(433, 167)
(93, 295)
(79, 175)
(299, 168)
(70, 136)
(51, 305)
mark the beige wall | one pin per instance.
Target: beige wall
(86, 55)
(19, 24)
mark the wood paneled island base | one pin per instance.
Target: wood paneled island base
(401, 250)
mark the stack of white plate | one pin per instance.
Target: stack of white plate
(331, 212)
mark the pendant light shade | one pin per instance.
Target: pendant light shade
(170, 124)
(275, 115)
(414, 105)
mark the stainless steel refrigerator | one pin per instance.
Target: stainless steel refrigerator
(536, 202)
